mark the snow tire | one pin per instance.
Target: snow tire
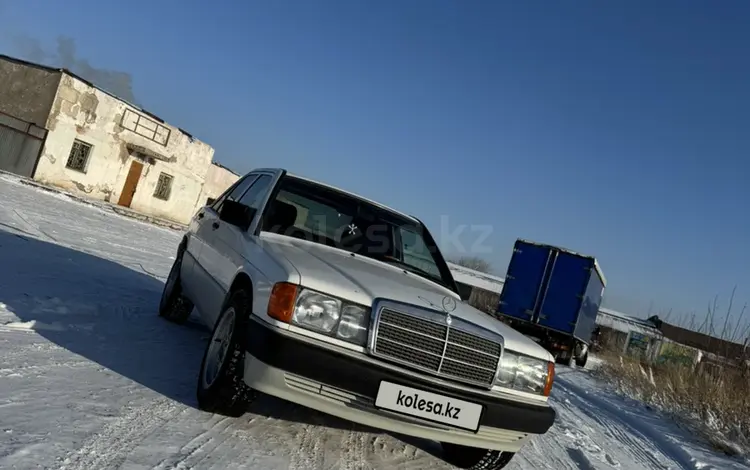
(567, 357)
(174, 306)
(228, 394)
(473, 458)
(565, 360)
(581, 361)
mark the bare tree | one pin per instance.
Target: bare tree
(473, 262)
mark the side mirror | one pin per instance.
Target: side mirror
(237, 214)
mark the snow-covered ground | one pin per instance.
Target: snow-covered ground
(91, 377)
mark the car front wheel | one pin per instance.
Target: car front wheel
(174, 306)
(473, 458)
(221, 388)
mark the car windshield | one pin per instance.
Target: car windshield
(313, 212)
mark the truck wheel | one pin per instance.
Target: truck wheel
(174, 306)
(581, 361)
(566, 360)
(473, 458)
(221, 388)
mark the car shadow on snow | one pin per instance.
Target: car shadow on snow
(101, 310)
(107, 313)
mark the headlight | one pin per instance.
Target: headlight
(354, 323)
(525, 374)
(329, 315)
(316, 311)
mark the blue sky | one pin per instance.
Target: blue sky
(618, 129)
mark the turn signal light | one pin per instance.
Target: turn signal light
(550, 379)
(281, 303)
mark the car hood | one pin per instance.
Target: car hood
(361, 280)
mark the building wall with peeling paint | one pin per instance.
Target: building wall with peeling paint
(82, 112)
(27, 92)
(218, 179)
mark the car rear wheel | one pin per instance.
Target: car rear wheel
(473, 458)
(174, 306)
(221, 388)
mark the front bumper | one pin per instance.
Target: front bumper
(344, 384)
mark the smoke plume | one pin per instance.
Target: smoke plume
(114, 81)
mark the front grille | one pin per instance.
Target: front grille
(436, 347)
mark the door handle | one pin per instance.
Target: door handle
(215, 225)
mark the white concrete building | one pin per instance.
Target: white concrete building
(99, 145)
(218, 179)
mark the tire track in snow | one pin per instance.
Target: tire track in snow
(309, 451)
(110, 447)
(580, 459)
(641, 439)
(543, 453)
(28, 350)
(13, 228)
(35, 227)
(584, 451)
(643, 451)
(199, 447)
(354, 450)
(41, 370)
(386, 451)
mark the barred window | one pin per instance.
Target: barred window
(163, 187)
(79, 156)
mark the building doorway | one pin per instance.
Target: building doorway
(131, 183)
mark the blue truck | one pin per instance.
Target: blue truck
(553, 295)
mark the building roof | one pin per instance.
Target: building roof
(702, 341)
(622, 322)
(87, 82)
(488, 282)
(225, 168)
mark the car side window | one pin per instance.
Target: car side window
(253, 197)
(236, 192)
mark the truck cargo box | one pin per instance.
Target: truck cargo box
(553, 288)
